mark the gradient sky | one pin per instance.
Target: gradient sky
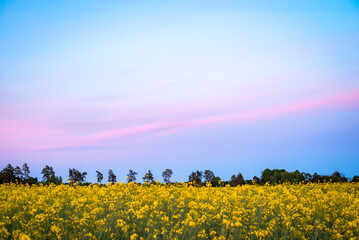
(231, 86)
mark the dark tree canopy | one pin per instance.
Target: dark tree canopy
(48, 175)
(26, 171)
(8, 174)
(18, 173)
(281, 176)
(21, 175)
(77, 176)
(236, 180)
(256, 179)
(196, 177)
(148, 177)
(216, 182)
(111, 176)
(99, 176)
(208, 176)
(316, 177)
(131, 176)
(167, 175)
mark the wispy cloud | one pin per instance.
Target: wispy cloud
(331, 102)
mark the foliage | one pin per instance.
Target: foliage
(99, 176)
(276, 176)
(281, 176)
(196, 177)
(148, 177)
(236, 180)
(167, 175)
(8, 174)
(256, 180)
(49, 176)
(111, 176)
(26, 171)
(208, 176)
(77, 176)
(216, 182)
(131, 176)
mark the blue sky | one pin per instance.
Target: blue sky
(230, 86)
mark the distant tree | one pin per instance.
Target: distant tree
(167, 175)
(196, 177)
(26, 171)
(266, 175)
(84, 174)
(111, 176)
(208, 176)
(256, 179)
(325, 178)
(296, 177)
(18, 173)
(47, 173)
(281, 176)
(131, 176)
(236, 180)
(273, 176)
(307, 176)
(34, 180)
(99, 177)
(355, 178)
(216, 182)
(240, 179)
(316, 178)
(77, 176)
(148, 177)
(8, 174)
(338, 177)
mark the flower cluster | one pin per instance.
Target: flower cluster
(179, 211)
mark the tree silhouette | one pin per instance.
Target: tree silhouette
(76, 176)
(355, 178)
(256, 179)
(8, 174)
(316, 177)
(47, 173)
(148, 177)
(99, 177)
(307, 176)
(216, 182)
(167, 175)
(281, 176)
(18, 173)
(131, 176)
(208, 176)
(26, 171)
(236, 180)
(196, 177)
(111, 176)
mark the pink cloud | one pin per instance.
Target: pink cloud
(46, 133)
(165, 128)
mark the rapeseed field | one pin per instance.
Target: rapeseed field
(179, 211)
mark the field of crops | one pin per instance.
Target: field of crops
(134, 211)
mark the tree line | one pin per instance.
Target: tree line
(18, 174)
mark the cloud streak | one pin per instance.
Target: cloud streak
(334, 102)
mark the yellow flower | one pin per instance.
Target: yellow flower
(24, 237)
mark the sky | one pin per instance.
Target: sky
(230, 86)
